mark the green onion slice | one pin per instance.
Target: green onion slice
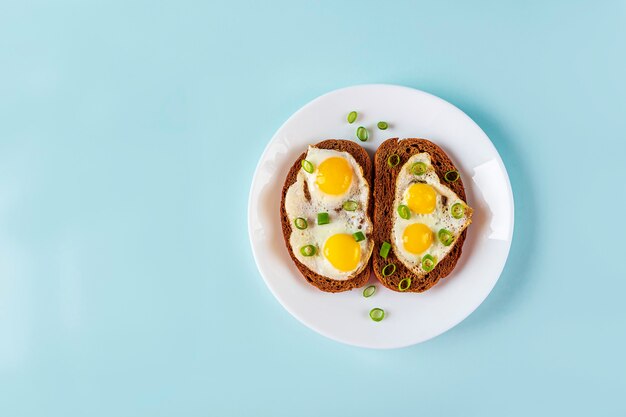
(362, 134)
(308, 250)
(404, 284)
(352, 117)
(404, 212)
(428, 263)
(445, 237)
(384, 249)
(451, 176)
(382, 125)
(388, 269)
(358, 236)
(350, 205)
(418, 168)
(393, 160)
(369, 291)
(377, 314)
(300, 223)
(457, 210)
(323, 218)
(307, 166)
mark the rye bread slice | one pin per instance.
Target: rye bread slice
(362, 158)
(384, 194)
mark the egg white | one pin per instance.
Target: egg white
(341, 221)
(439, 219)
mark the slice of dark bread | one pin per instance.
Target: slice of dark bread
(384, 194)
(362, 158)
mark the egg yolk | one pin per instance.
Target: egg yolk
(334, 176)
(421, 198)
(343, 252)
(417, 238)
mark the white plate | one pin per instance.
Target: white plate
(409, 318)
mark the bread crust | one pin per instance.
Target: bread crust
(384, 193)
(362, 158)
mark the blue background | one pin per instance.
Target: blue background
(129, 133)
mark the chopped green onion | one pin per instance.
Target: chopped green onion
(428, 263)
(307, 166)
(457, 210)
(384, 249)
(369, 291)
(388, 269)
(323, 218)
(404, 212)
(404, 284)
(358, 236)
(350, 205)
(382, 125)
(445, 237)
(308, 250)
(393, 160)
(362, 134)
(300, 223)
(418, 168)
(451, 176)
(352, 117)
(377, 314)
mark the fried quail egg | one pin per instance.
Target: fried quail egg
(334, 188)
(428, 216)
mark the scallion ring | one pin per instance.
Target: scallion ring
(362, 134)
(352, 117)
(308, 250)
(404, 284)
(404, 212)
(377, 314)
(323, 218)
(350, 205)
(307, 166)
(358, 236)
(300, 223)
(445, 237)
(457, 210)
(384, 249)
(419, 168)
(451, 176)
(428, 263)
(388, 269)
(393, 160)
(382, 125)
(369, 291)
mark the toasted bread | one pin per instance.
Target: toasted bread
(384, 192)
(319, 281)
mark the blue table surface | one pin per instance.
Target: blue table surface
(129, 134)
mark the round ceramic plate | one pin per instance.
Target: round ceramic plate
(409, 318)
